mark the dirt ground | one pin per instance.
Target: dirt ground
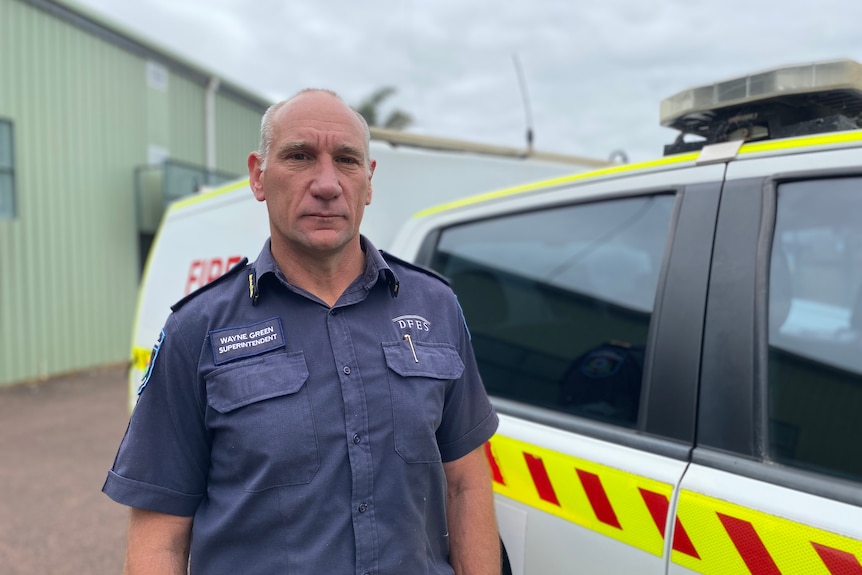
(57, 441)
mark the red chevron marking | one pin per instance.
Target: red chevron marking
(598, 498)
(749, 546)
(492, 462)
(838, 562)
(658, 504)
(541, 479)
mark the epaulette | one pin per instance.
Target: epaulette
(240, 266)
(429, 272)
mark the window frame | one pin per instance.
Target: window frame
(689, 241)
(733, 412)
(10, 171)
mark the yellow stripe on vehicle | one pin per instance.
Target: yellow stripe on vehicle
(614, 170)
(198, 198)
(730, 539)
(600, 498)
(801, 143)
(710, 536)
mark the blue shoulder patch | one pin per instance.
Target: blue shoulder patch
(153, 356)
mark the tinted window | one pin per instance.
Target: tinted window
(559, 301)
(815, 339)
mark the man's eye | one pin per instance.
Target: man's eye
(348, 160)
(296, 156)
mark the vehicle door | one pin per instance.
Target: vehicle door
(775, 486)
(585, 304)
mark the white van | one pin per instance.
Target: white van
(202, 236)
(675, 347)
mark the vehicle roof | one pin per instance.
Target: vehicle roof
(780, 147)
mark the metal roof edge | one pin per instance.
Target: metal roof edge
(100, 25)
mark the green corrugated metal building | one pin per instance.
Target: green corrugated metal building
(99, 128)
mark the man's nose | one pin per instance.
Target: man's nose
(326, 184)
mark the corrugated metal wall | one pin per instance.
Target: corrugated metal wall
(237, 132)
(84, 118)
(187, 141)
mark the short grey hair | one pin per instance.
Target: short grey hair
(266, 126)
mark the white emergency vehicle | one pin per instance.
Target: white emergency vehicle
(675, 347)
(202, 236)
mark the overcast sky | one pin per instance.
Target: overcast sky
(595, 70)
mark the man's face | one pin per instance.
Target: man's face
(317, 181)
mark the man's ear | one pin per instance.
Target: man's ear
(255, 176)
(370, 174)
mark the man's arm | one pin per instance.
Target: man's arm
(158, 544)
(474, 543)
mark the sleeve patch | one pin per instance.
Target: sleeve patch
(153, 356)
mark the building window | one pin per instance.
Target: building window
(559, 301)
(7, 171)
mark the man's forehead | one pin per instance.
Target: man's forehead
(319, 129)
(320, 110)
(313, 140)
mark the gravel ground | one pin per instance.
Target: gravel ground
(57, 441)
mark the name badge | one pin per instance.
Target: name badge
(235, 342)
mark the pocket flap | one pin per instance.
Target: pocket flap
(264, 377)
(436, 360)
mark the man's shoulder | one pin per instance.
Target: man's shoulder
(400, 265)
(212, 288)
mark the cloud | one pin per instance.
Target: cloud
(595, 71)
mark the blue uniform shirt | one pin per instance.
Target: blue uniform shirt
(304, 438)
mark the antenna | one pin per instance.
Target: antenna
(619, 157)
(525, 97)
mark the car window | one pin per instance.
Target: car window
(815, 327)
(559, 301)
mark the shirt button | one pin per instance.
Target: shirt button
(356, 438)
(346, 370)
(362, 507)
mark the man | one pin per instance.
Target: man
(318, 411)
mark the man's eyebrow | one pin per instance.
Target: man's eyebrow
(304, 145)
(299, 145)
(351, 150)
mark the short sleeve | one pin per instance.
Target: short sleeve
(163, 459)
(468, 419)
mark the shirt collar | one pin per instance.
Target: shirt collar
(376, 269)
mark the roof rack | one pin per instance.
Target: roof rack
(779, 103)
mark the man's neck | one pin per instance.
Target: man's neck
(325, 276)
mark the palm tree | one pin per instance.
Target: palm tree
(370, 106)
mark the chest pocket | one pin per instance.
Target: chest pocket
(262, 422)
(418, 391)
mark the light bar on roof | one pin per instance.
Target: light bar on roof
(802, 79)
